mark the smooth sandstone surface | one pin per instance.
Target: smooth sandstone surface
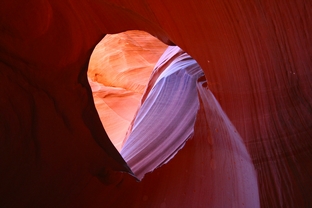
(256, 56)
(119, 70)
(168, 115)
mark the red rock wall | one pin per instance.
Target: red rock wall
(256, 56)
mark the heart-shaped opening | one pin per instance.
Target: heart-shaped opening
(148, 109)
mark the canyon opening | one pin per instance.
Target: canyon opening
(145, 94)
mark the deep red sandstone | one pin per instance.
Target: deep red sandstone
(256, 56)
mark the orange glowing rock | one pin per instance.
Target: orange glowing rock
(119, 69)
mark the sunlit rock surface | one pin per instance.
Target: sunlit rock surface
(167, 115)
(256, 56)
(119, 69)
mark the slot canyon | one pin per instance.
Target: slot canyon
(217, 114)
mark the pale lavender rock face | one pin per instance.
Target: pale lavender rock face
(166, 119)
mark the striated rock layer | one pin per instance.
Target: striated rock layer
(256, 56)
(168, 112)
(119, 70)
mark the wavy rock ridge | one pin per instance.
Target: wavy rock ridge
(166, 118)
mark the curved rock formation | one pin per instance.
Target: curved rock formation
(167, 115)
(256, 56)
